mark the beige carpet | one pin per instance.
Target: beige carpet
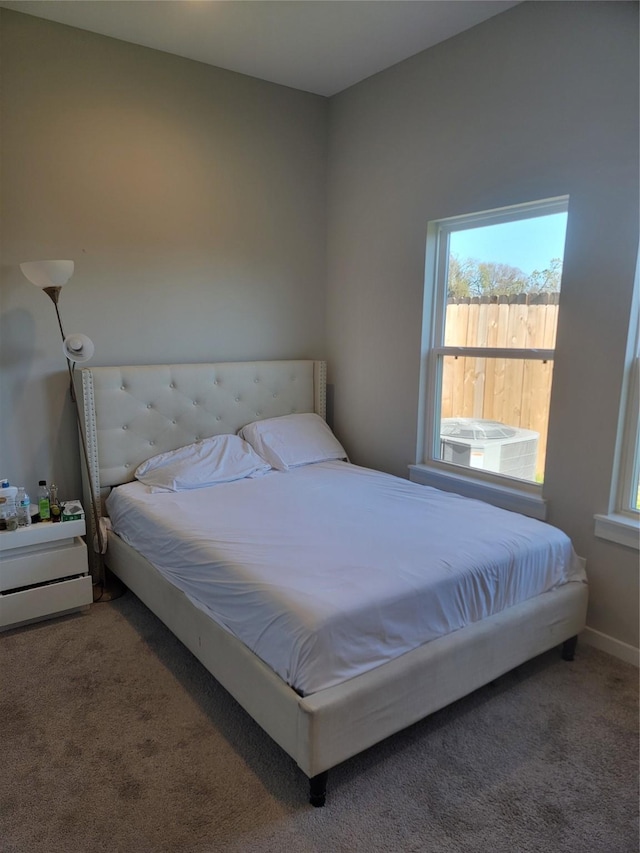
(114, 738)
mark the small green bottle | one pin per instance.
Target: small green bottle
(54, 504)
(43, 501)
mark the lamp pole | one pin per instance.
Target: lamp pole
(50, 276)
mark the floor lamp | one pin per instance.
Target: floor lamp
(50, 276)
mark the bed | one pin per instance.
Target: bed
(285, 665)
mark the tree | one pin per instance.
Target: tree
(546, 281)
(469, 277)
(499, 279)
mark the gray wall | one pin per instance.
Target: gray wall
(540, 101)
(192, 199)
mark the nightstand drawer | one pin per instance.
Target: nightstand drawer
(38, 564)
(49, 600)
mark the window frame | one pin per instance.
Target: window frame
(499, 488)
(630, 456)
(621, 523)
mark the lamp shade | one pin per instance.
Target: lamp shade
(48, 273)
(78, 347)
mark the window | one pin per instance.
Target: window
(491, 312)
(629, 494)
(622, 523)
(630, 497)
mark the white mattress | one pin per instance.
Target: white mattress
(329, 570)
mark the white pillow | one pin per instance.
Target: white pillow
(219, 459)
(293, 440)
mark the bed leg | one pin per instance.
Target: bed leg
(318, 789)
(569, 648)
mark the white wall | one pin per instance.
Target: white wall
(537, 102)
(192, 199)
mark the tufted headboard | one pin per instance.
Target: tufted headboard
(132, 413)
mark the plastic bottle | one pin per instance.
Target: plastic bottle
(7, 505)
(54, 504)
(23, 506)
(43, 501)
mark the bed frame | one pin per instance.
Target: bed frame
(132, 413)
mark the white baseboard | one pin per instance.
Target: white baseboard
(608, 644)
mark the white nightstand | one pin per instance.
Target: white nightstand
(43, 572)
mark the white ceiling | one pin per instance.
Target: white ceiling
(320, 46)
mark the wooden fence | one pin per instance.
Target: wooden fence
(512, 391)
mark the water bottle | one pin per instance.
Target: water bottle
(8, 515)
(43, 501)
(23, 506)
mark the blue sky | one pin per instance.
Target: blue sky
(528, 244)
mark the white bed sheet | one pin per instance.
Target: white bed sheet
(329, 570)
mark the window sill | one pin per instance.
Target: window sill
(618, 528)
(515, 500)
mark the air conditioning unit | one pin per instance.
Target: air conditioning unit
(489, 445)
